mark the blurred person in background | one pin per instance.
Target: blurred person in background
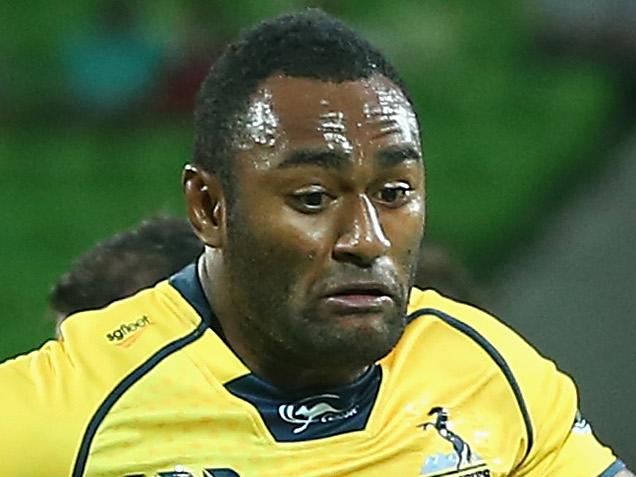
(438, 269)
(113, 67)
(296, 345)
(124, 264)
(195, 46)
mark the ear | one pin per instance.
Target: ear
(206, 203)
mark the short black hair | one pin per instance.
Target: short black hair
(305, 44)
(124, 264)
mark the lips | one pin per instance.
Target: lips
(358, 297)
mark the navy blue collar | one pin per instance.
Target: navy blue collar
(308, 416)
(189, 286)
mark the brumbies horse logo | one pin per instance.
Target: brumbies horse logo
(460, 446)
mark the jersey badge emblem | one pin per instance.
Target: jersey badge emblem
(460, 459)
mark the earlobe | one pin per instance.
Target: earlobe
(206, 205)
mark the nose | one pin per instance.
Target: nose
(363, 239)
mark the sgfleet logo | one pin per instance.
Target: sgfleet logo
(319, 409)
(128, 333)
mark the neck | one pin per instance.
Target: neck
(286, 376)
(282, 371)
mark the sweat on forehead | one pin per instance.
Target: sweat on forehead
(304, 44)
(285, 105)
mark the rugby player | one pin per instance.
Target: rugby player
(296, 346)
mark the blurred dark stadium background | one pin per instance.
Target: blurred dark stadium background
(528, 113)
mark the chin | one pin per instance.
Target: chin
(351, 339)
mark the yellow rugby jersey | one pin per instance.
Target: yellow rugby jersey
(146, 387)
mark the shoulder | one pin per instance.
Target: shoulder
(541, 394)
(468, 331)
(36, 399)
(469, 326)
(473, 326)
(50, 395)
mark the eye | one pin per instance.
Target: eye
(395, 194)
(311, 200)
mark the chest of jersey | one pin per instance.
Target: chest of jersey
(447, 419)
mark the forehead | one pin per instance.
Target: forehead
(293, 98)
(287, 112)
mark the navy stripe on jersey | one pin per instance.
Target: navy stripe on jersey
(187, 283)
(613, 469)
(122, 387)
(496, 357)
(308, 416)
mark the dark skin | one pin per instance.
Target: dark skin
(309, 268)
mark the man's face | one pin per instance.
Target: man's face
(326, 219)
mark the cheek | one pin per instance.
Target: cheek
(303, 239)
(293, 241)
(405, 231)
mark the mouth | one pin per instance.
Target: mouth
(359, 297)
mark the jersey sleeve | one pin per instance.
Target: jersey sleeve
(49, 397)
(33, 417)
(564, 444)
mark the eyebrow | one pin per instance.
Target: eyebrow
(334, 159)
(393, 156)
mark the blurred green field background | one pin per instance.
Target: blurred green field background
(508, 130)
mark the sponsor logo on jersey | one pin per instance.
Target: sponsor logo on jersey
(462, 461)
(319, 409)
(128, 333)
